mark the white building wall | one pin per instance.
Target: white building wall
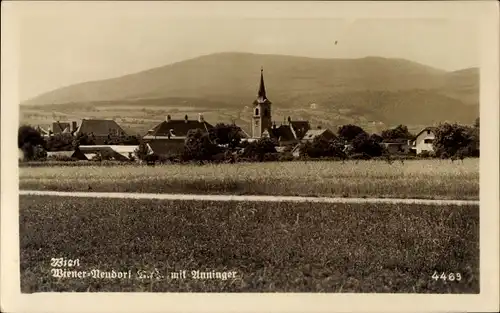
(420, 144)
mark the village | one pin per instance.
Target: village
(168, 138)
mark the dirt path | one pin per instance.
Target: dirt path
(126, 195)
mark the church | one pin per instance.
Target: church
(287, 133)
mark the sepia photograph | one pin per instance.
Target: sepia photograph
(251, 148)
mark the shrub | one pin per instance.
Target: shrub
(286, 156)
(142, 151)
(61, 158)
(429, 154)
(271, 157)
(258, 149)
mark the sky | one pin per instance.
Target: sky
(64, 43)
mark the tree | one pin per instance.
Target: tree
(198, 146)
(258, 149)
(452, 138)
(31, 142)
(27, 134)
(476, 122)
(59, 142)
(142, 151)
(363, 143)
(349, 132)
(376, 138)
(398, 132)
(473, 147)
(321, 147)
(226, 134)
(82, 140)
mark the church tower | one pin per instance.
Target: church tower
(261, 119)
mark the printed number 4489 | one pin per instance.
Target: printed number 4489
(447, 276)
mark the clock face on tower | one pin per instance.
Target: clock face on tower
(256, 122)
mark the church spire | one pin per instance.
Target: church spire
(262, 87)
(261, 96)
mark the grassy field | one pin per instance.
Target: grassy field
(430, 179)
(285, 247)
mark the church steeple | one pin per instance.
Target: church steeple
(261, 95)
(262, 121)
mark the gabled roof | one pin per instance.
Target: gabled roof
(300, 128)
(117, 151)
(58, 127)
(166, 147)
(282, 133)
(431, 128)
(313, 133)
(100, 127)
(244, 134)
(177, 128)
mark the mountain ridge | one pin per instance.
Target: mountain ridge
(365, 91)
(371, 63)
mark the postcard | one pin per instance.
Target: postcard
(243, 156)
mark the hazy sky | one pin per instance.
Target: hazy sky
(66, 43)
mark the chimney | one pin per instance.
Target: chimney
(289, 119)
(186, 118)
(168, 118)
(274, 125)
(200, 118)
(73, 127)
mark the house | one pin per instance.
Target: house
(166, 148)
(114, 152)
(323, 133)
(176, 128)
(63, 127)
(100, 130)
(288, 133)
(424, 140)
(397, 146)
(311, 135)
(73, 154)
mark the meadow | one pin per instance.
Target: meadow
(426, 179)
(273, 247)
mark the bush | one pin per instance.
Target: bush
(61, 158)
(258, 149)
(271, 157)
(286, 156)
(428, 154)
